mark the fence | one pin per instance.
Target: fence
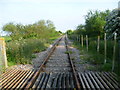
(108, 47)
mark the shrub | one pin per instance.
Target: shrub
(21, 51)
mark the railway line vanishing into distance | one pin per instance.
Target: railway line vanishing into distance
(58, 71)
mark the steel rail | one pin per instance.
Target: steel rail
(72, 66)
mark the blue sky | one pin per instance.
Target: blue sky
(66, 14)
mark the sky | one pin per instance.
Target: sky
(65, 14)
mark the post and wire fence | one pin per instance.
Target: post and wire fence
(108, 48)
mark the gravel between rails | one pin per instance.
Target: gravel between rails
(58, 61)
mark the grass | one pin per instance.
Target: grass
(67, 52)
(97, 59)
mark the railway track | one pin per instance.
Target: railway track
(57, 71)
(59, 61)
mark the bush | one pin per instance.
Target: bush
(21, 51)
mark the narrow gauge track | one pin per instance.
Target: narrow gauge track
(65, 77)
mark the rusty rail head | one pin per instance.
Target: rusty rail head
(72, 67)
(30, 84)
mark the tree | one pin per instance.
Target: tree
(113, 23)
(95, 21)
(80, 29)
(41, 29)
(9, 27)
(15, 29)
(69, 32)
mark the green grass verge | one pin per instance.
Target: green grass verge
(96, 59)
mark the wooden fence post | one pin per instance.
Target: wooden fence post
(3, 58)
(105, 48)
(98, 44)
(114, 50)
(82, 40)
(87, 42)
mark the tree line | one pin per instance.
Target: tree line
(99, 22)
(41, 29)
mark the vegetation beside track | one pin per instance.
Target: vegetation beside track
(26, 40)
(97, 24)
(97, 59)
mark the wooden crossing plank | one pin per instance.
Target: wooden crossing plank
(37, 81)
(60, 81)
(116, 82)
(25, 79)
(63, 81)
(67, 81)
(45, 81)
(110, 80)
(97, 82)
(55, 81)
(15, 80)
(6, 73)
(41, 81)
(85, 81)
(6, 77)
(113, 76)
(102, 81)
(81, 81)
(89, 81)
(72, 81)
(11, 82)
(49, 84)
(106, 81)
(13, 75)
(18, 79)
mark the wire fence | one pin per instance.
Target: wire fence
(108, 48)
